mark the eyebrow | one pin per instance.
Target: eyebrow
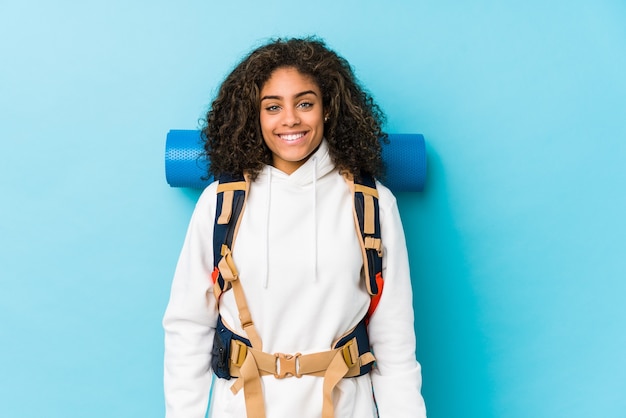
(303, 93)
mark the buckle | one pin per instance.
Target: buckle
(287, 365)
(350, 353)
(372, 243)
(238, 352)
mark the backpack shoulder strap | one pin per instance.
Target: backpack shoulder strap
(367, 222)
(231, 201)
(231, 198)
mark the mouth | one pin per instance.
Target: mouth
(291, 136)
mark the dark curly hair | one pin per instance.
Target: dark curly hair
(232, 137)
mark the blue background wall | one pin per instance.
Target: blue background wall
(517, 244)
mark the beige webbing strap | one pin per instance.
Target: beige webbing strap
(336, 371)
(353, 187)
(252, 388)
(374, 244)
(297, 365)
(235, 185)
(368, 199)
(366, 190)
(230, 274)
(228, 192)
(333, 365)
(227, 207)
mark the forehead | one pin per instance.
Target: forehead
(289, 79)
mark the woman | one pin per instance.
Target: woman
(292, 118)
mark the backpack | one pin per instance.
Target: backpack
(236, 356)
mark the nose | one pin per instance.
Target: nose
(290, 118)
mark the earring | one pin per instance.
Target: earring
(326, 118)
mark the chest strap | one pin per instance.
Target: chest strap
(234, 356)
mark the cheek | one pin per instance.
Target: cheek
(317, 120)
(264, 123)
(320, 124)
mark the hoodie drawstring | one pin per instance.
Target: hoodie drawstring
(314, 207)
(267, 227)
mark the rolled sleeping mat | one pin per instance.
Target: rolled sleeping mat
(404, 156)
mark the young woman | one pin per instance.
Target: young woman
(293, 118)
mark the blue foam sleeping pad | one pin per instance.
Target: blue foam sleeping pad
(404, 156)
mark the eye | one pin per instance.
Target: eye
(272, 108)
(305, 105)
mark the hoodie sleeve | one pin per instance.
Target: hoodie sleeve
(190, 318)
(397, 378)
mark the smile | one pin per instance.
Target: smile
(292, 137)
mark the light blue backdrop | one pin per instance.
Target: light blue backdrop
(517, 245)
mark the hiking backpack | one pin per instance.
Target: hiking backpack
(236, 356)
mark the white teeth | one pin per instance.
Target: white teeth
(291, 137)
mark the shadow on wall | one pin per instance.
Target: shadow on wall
(451, 344)
(192, 195)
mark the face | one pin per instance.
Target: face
(292, 118)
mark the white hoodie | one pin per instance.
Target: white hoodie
(299, 262)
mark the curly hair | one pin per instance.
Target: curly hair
(232, 136)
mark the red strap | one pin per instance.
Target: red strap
(376, 298)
